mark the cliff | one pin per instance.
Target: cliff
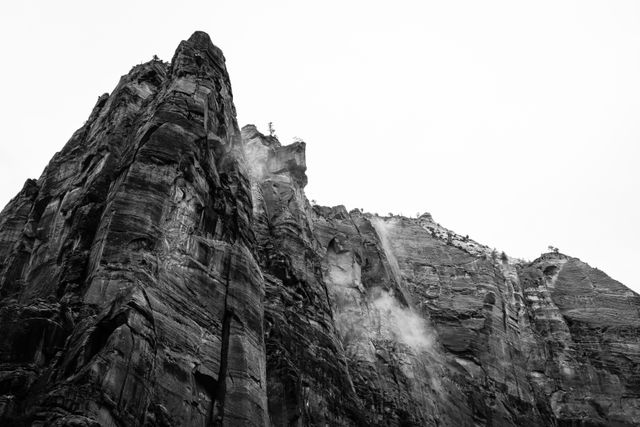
(167, 269)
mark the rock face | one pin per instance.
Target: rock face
(167, 270)
(130, 289)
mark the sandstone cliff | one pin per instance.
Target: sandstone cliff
(167, 269)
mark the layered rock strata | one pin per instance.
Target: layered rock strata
(167, 269)
(130, 289)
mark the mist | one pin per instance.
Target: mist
(401, 324)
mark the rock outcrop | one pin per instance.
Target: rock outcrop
(167, 269)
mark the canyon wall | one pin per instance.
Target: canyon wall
(167, 269)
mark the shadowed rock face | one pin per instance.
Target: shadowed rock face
(167, 269)
(130, 289)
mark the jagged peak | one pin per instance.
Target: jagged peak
(266, 156)
(197, 55)
(202, 40)
(250, 132)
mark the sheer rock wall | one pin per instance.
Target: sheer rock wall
(167, 269)
(130, 290)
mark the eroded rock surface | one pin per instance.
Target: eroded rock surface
(130, 289)
(167, 269)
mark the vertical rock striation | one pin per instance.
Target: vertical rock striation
(130, 288)
(167, 269)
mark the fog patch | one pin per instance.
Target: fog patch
(256, 155)
(398, 323)
(365, 317)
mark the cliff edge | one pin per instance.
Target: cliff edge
(167, 269)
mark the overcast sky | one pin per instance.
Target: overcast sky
(514, 122)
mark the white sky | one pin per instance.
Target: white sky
(514, 122)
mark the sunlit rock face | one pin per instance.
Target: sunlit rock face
(167, 269)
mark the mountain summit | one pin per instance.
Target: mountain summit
(167, 269)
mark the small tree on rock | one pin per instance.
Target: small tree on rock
(272, 131)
